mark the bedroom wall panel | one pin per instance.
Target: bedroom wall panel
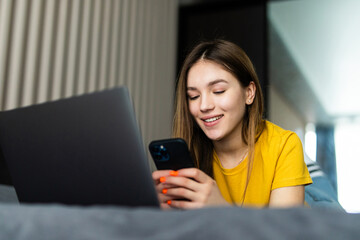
(51, 49)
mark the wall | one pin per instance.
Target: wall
(283, 114)
(238, 21)
(52, 49)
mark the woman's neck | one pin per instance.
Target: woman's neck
(231, 152)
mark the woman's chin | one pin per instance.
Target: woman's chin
(214, 137)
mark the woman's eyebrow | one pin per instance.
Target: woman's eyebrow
(209, 84)
(217, 81)
(191, 88)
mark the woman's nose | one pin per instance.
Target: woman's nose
(206, 103)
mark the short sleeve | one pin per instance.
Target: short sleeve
(290, 168)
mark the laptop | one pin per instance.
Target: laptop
(84, 150)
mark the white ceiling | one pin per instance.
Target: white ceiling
(323, 38)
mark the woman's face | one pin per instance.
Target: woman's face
(216, 100)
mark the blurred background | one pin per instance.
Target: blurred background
(306, 53)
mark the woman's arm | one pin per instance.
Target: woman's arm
(287, 197)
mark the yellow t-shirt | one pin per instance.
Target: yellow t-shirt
(278, 162)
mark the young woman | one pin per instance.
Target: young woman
(241, 159)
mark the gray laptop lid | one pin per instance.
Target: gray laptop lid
(81, 150)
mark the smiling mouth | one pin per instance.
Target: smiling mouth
(209, 120)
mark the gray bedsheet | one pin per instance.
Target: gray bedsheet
(98, 222)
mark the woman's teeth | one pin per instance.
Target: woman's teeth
(212, 119)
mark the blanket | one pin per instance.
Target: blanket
(58, 222)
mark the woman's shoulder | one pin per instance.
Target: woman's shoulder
(275, 140)
(274, 133)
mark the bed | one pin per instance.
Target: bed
(110, 222)
(323, 219)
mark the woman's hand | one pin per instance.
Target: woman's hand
(187, 188)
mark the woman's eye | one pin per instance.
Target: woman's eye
(192, 97)
(219, 92)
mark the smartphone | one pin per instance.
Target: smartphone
(171, 154)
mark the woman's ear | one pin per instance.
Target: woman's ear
(250, 93)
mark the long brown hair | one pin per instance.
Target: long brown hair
(235, 61)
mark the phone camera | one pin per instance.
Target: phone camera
(161, 154)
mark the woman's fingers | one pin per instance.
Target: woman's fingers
(182, 182)
(161, 186)
(195, 174)
(170, 192)
(163, 198)
(190, 178)
(187, 188)
(183, 204)
(157, 175)
(182, 178)
(180, 193)
(179, 203)
(165, 206)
